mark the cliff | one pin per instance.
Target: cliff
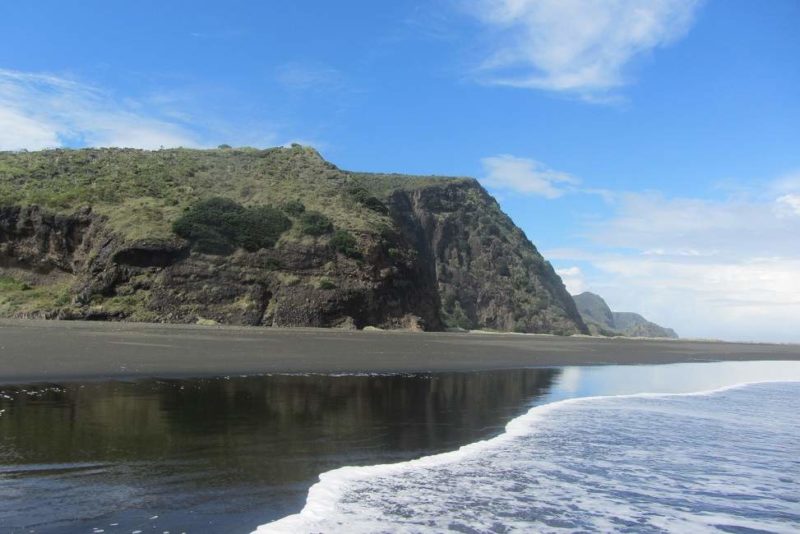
(602, 321)
(275, 237)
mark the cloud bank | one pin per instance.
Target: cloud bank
(708, 268)
(576, 46)
(43, 111)
(573, 279)
(524, 175)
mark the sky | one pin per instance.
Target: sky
(649, 148)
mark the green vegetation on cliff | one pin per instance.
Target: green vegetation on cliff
(219, 225)
(143, 192)
(275, 237)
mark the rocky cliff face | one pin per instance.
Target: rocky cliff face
(486, 272)
(77, 269)
(431, 253)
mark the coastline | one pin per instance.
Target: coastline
(157, 452)
(327, 496)
(41, 351)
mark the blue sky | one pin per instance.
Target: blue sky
(648, 148)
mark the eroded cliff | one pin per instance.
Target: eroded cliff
(88, 234)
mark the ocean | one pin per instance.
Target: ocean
(726, 460)
(650, 448)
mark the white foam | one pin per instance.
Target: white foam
(477, 481)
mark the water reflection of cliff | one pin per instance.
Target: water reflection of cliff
(272, 435)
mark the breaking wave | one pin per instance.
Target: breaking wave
(726, 460)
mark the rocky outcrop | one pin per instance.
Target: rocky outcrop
(440, 254)
(163, 281)
(487, 273)
(34, 240)
(602, 321)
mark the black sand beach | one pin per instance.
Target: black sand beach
(142, 427)
(47, 350)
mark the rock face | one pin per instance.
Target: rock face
(486, 272)
(431, 253)
(602, 321)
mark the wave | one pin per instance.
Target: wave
(536, 475)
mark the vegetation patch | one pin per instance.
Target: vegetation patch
(294, 208)
(456, 317)
(142, 193)
(363, 197)
(326, 283)
(315, 223)
(343, 241)
(10, 284)
(132, 306)
(18, 297)
(220, 225)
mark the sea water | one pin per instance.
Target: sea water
(231, 453)
(726, 460)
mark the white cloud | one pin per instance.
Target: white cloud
(749, 299)
(788, 183)
(788, 205)
(578, 46)
(524, 175)
(725, 269)
(19, 131)
(699, 227)
(573, 279)
(42, 111)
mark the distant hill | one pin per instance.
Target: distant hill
(275, 237)
(604, 322)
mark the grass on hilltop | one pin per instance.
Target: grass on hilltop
(144, 192)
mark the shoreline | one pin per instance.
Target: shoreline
(45, 351)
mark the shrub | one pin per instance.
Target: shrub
(449, 300)
(10, 284)
(260, 227)
(458, 318)
(375, 205)
(502, 267)
(359, 194)
(326, 284)
(219, 225)
(315, 223)
(210, 225)
(295, 208)
(273, 264)
(344, 242)
(362, 196)
(493, 229)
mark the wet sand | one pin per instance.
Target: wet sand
(35, 351)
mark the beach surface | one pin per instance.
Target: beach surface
(54, 350)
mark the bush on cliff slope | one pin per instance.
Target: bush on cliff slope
(344, 242)
(315, 223)
(219, 225)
